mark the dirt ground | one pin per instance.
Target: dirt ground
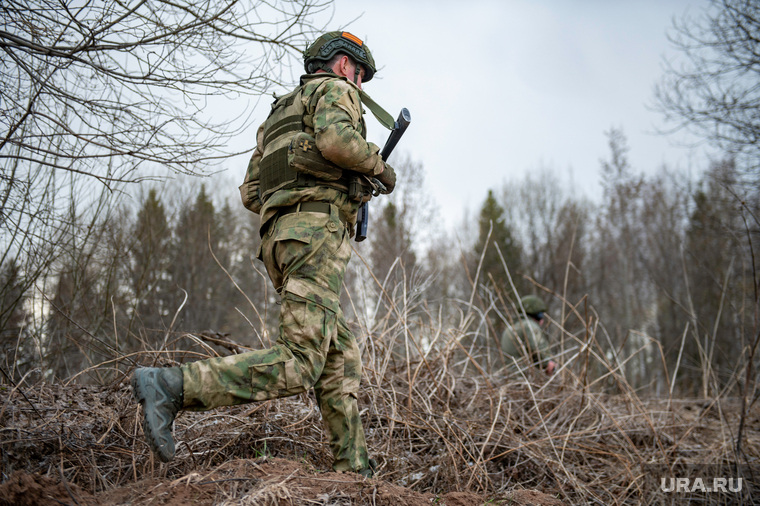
(83, 445)
(265, 481)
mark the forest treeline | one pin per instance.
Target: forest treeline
(662, 268)
(101, 259)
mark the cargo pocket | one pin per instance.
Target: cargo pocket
(296, 238)
(275, 380)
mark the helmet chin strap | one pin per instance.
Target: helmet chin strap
(322, 65)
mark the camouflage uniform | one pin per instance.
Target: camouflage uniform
(526, 334)
(305, 254)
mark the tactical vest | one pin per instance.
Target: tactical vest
(287, 119)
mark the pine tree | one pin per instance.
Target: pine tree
(493, 233)
(719, 290)
(148, 264)
(193, 270)
(12, 315)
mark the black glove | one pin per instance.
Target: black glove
(388, 178)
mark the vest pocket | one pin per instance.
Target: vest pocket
(304, 156)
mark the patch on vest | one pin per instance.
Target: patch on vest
(304, 156)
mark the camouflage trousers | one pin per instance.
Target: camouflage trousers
(306, 255)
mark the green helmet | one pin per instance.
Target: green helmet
(328, 45)
(533, 305)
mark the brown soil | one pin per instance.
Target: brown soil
(82, 445)
(264, 481)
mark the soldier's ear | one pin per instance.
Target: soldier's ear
(345, 65)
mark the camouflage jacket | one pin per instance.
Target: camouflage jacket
(526, 333)
(334, 116)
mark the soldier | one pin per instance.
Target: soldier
(526, 335)
(311, 169)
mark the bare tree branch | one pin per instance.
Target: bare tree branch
(715, 92)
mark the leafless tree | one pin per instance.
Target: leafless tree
(550, 221)
(116, 92)
(88, 81)
(84, 294)
(620, 288)
(105, 89)
(401, 222)
(715, 92)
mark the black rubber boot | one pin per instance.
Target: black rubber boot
(159, 390)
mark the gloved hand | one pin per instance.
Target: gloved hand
(388, 178)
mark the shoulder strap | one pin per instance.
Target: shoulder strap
(381, 114)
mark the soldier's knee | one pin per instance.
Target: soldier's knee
(312, 372)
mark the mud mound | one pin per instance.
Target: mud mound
(467, 444)
(24, 489)
(266, 481)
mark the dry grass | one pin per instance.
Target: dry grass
(440, 414)
(491, 432)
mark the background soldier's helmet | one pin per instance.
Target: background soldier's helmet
(328, 45)
(533, 305)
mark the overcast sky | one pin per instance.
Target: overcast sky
(499, 89)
